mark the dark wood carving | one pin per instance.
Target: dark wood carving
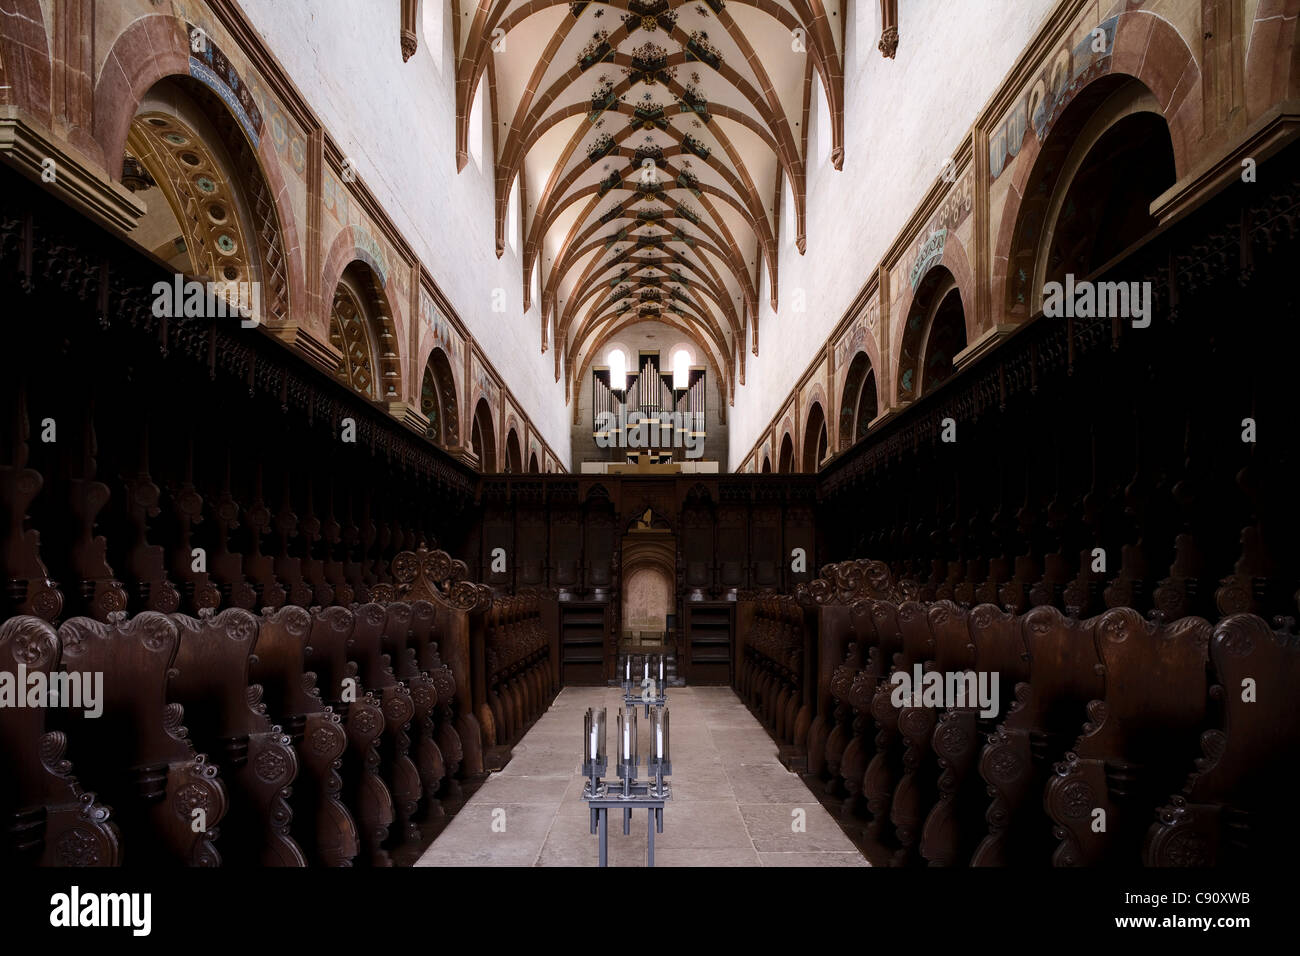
(167, 800)
(48, 819)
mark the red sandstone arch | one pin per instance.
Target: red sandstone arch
(124, 79)
(438, 368)
(935, 293)
(348, 247)
(860, 397)
(816, 437)
(514, 458)
(785, 461)
(483, 437)
(955, 262)
(1150, 50)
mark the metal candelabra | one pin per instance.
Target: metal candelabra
(654, 693)
(633, 794)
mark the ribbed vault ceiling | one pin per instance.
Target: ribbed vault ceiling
(650, 138)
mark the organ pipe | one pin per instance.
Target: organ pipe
(649, 395)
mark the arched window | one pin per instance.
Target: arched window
(512, 217)
(787, 213)
(433, 14)
(823, 125)
(681, 368)
(477, 134)
(617, 362)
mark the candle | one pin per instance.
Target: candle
(661, 668)
(647, 668)
(659, 741)
(627, 739)
(593, 741)
(629, 668)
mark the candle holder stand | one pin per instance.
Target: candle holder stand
(649, 795)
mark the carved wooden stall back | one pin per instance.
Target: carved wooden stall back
(227, 719)
(1138, 742)
(401, 652)
(422, 648)
(1237, 807)
(829, 596)
(364, 787)
(519, 644)
(167, 800)
(948, 651)
(48, 819)
(774, 669)
(886, 777)
(436, 578)
(1042, 724)
(28, 587)
(956, 823)
(364, 648)
(322, 825)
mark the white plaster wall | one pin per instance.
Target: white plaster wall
(396, 121)
(902, 119)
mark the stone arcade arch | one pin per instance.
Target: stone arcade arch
(122, 93)
(514, 455)
(815, 439)
(438, 400)
(1104, 208)
(483, 437)
(859, 402)
(209, 209)
(1111, 148)
(934, 333)
(361, 328)
(785, 461)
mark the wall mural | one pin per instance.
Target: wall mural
(1064, 74)
(211, 67)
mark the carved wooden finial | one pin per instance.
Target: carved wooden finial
(435, 576)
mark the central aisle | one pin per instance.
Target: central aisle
(733, 803)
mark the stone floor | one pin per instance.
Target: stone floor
(733, 803)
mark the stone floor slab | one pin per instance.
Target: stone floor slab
(733, 802)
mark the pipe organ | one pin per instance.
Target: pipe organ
(648, 410)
